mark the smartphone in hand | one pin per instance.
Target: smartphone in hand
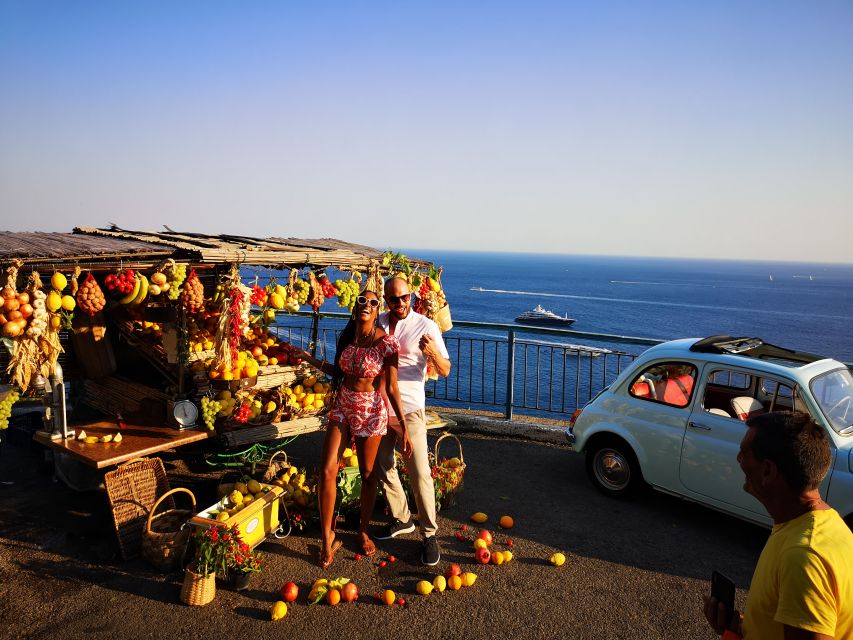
(723, 590)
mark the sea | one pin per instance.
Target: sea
(802, 306)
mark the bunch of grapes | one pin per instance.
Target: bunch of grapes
(259, 296)
(243, 413)
(177, 275)
(6, 408)
(347, 293)
(301, 289)
(209, 409)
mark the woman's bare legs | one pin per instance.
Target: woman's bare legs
(367, 449)
(337, 436)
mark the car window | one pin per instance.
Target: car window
(833, 392)
(723, 387)
(669, 383)
(729, 378)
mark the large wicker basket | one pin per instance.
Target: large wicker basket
(133, 488)
(167, 534)
(448, 479)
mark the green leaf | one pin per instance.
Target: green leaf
(433, 273)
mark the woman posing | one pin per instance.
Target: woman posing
(364, 353)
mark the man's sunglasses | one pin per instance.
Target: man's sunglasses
(399, 299)
(362, 301)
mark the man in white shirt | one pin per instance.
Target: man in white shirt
(420, 343)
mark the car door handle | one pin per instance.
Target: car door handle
(696, 425)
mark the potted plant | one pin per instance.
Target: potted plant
(242, 561)
(212, 546)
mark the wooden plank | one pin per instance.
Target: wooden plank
(275, 431)
(137, 440)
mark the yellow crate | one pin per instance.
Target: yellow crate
(254, 522)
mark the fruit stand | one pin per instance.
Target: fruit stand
(141, 341)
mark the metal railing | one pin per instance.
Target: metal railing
(505, 367)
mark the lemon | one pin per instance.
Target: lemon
(453, 463)
(117, 437)
(222, 515)
(352, 461)
(479, 543)
(479, 517)
(424, 587)
(91, 439)
(347, 453)
(235, 497)
(558, 559)
(468, 579)
(247, 499)
(68, 303)
(507, 556)
(58, 281)
(279, 610)
(107, 438)
(439, 583)
(253, 486)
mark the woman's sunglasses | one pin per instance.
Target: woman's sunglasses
(362, 301)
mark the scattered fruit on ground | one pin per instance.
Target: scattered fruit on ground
(507, 556)
(557, 559)
(479, 517)
(479, 543)
(279, 610)
(506, 522)
(482, 555)
(453, 570)
(498, 558)
(424, 587)
(349, 592)
(333, 597)
(289, 592)
(486, 535)
(439, 583)
(468, 579)
(388, 597)
(454, 583)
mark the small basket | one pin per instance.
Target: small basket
(443, 320)
(275, 467)
(166, 536)
(133, 489)
(448, 480)
(198, 590)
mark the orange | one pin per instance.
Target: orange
(227, 375)
(389, 597)
(454, 583)
(333, 597)
(497, 558)
(506, 522)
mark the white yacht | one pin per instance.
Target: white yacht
(544, 317)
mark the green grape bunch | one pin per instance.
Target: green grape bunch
(301, 289)
(177, 275)
(209, 409)
(6, 408)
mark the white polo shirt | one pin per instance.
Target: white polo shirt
(411, 372)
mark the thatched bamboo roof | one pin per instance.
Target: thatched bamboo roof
(91, 246)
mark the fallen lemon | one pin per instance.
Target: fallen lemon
(506, 522)
(439, 584)
(507, 556)
(279, 610)
(468, 579)
(479, 517)
(498, 558)
(479, 543)
(333, 597)
(558, 559)
(389, 597)
(454, 583)
(424, 587)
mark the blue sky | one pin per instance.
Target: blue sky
(714, 129)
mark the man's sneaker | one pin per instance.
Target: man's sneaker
(396, 528)
(430, 556)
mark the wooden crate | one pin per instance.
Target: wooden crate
(274, 431)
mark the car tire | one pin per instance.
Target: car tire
(613, 468)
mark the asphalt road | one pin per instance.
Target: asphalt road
(635, 569)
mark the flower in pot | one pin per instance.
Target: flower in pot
(212, 547)
(243, 561)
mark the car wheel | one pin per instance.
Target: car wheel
(613, 468)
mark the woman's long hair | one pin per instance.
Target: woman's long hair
(346, 338)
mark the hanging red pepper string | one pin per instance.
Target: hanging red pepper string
(235, 325)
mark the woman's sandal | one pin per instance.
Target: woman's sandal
(368, 548)
(324, 560)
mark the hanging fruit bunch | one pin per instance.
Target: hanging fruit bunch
(299, 289)
(175, 273)
(7, 399)
(192, 296)
(347, 290)
(121, 284)
(159, 284)
(316, 296)
(329, 290)
(258, 296)
(90, 298)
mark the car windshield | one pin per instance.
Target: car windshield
(834, 394)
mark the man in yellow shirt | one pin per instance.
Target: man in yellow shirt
(802, 587)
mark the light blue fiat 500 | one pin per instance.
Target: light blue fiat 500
(675, 417)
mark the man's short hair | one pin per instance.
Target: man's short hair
(796, 444)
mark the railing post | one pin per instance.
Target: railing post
(510, 372)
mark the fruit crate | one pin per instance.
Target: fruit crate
(254, 522)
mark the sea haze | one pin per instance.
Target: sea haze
(796, 305)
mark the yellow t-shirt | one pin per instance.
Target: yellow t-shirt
(804, 578)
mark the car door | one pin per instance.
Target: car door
(709, 470)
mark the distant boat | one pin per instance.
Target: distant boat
(477, 289)
(771, 277)
(540, 316)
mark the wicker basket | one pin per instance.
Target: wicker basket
(448, 480)
(133, 489)
(198, 590)
(166, 535)
(275, 467)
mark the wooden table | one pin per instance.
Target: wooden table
(137, 441)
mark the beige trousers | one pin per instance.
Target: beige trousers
(419, 472)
